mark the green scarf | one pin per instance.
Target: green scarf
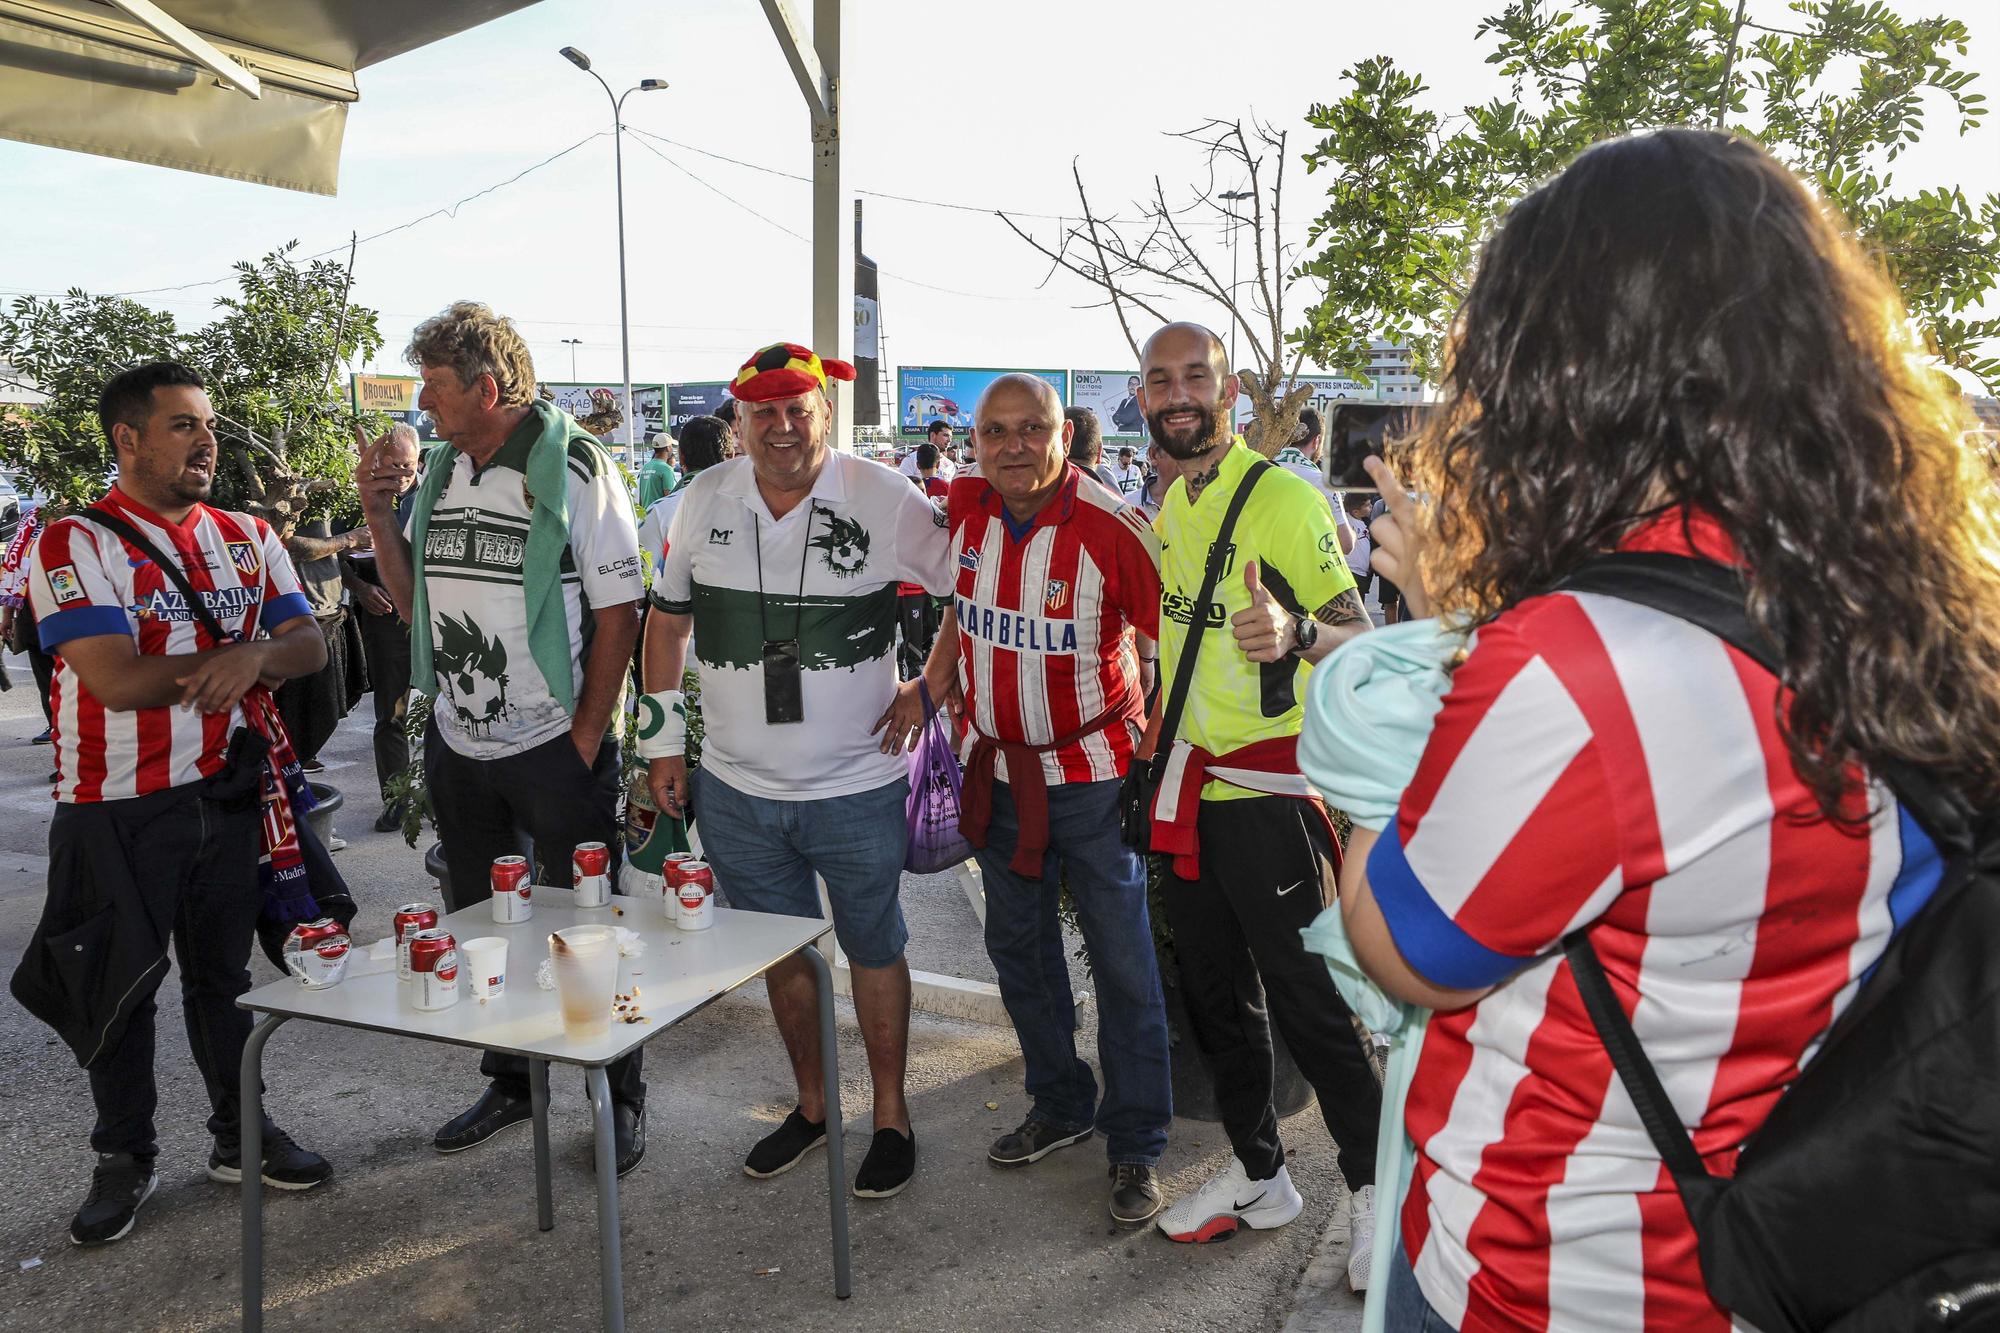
(541, 563)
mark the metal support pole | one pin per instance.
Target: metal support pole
(538, 1099)
(832, 232)
(610, 1267)
(250, 1136)
(836, 1167)
(632, 439)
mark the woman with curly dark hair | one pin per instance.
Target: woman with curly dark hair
(1672, 346)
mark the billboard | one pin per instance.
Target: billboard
(395, 396)
(686, 401)
(1326, 391)
(929, 393)
(582, 401)
(1114, 396)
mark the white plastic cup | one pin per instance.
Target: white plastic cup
(486, 963)
(585, 962)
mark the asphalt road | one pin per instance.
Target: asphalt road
(404, 1238)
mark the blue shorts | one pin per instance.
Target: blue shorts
(765, 854)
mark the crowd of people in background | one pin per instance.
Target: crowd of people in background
(1370, 752)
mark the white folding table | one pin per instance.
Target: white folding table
(679, 973)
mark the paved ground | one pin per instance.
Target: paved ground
(403, 1238)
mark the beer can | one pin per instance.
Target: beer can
(591, 874)
(316, 953)
(433, 969)
(513, 896)
(696, 895)
(409, 919)
(670, 880)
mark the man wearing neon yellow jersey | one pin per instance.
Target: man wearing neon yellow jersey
(1253, 853)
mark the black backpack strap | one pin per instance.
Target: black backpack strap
(196, 607)
(1642, 1082)
(1218, 552)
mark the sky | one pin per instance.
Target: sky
(946, 102)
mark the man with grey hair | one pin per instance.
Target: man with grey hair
(1050, 639)
(518, 571)
(385, 639)
(783, 566)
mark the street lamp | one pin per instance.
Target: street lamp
(582, 62)
(575, 343)
(1234, 197)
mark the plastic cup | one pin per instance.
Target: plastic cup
(585, 962)
(486, 963)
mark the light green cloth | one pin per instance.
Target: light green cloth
(1369, 711)
(547, 476)
(656, 479)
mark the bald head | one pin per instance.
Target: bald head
(1181, 340)
(1023, 441)
(1186, 392)
(1033, 386)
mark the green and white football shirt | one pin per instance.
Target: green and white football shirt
(492, 700)
(829, 573)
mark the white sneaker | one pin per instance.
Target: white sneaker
(1360, 1237)
(1231, 1199)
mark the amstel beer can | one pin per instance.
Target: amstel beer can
(591, 874)
(409, 919)
(671, 874)
(696, 896)
(316, 953)
(513, 896)
(433, 969)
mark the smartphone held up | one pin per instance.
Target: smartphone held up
(1354, 431)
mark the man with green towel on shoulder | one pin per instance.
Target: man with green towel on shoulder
(518, 572)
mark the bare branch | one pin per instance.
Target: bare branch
(1063, 261)
(1090, 220)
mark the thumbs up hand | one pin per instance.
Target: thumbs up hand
(1263, 629)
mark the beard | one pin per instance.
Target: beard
(1207, 433)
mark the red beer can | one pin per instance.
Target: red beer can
(316, 952)
(591, 874)
(696, 892)
(409, 919)
(434, 969)
(513, 896)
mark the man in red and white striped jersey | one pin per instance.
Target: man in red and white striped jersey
(156, 830)
(1050, 636)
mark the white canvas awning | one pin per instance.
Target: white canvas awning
(256, 90)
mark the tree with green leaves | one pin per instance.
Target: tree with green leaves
(272, 357)
(1838, 91)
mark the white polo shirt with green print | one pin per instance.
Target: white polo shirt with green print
(830, 570)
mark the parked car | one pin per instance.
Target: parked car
(10, 511)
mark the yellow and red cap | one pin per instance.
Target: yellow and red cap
(785, 370)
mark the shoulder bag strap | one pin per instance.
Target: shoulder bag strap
(1218, 552)
(171, 568)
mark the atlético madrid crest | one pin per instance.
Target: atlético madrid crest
(1057, 596)
(243, 555)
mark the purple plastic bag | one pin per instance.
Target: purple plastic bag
(935, 842)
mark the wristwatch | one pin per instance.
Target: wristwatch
(1305, 633)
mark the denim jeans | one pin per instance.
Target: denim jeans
(1107, 882)
(765, 853)
(1404, 1308)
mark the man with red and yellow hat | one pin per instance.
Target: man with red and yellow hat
(783, 564)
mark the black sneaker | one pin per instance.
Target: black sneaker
(287, 1166)
(119, 1183)
(1135, 1194)
(390, 820)
(493, 1112)
(628, 1137)
(780, 1150)
(1031, 1142)
(891, 1161)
